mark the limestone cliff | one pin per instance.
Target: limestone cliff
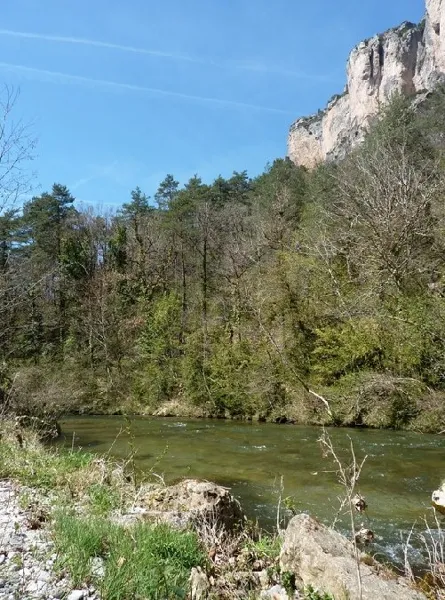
(407, 59)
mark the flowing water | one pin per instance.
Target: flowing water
(401, 469)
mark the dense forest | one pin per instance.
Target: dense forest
(314, 297)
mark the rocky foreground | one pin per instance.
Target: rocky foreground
(27, 554)
(312, 556)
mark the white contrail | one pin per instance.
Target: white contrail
(85, 42)
(78, 79)
(241, 66)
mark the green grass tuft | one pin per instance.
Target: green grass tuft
(147, 561)
(267, 546)
(102, 499)
(35, 466)
(311, 593)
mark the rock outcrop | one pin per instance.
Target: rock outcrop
(438, 499)
(186, 503)
(324, 559)
(407, 59)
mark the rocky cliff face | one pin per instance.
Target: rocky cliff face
(407, 59)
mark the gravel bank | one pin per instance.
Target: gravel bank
(27, 555)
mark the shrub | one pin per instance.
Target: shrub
(376, 400)
(346, 348)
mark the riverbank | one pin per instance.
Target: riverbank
(369, 400)
(260, 461)
(363, 399)
(79, 526)
(28, 555)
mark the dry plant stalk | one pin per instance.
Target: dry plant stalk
(434, 544)
(433, 541)
(348, 476)
(280, 500)
(220, 544)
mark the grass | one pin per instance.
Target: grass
(311, 593)
(98, 483)
(102, 499)
(266, 547)
(147, 561)
(23, 458)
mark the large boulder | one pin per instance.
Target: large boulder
(189, 502)
(323, 558)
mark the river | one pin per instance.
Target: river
(401, 469)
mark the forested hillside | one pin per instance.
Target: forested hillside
(311, 296)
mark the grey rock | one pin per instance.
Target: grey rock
(263, 578)
(97, 568)
(190, 501)
(76, 595)
(16, 541)
(34, 587)
(199, 584)
(438, 499)
(277, 592)
(323, 558)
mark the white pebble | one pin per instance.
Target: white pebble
(76, 595)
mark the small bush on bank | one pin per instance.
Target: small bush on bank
(375, 400)
(99, 482)
(431, 417)
(24, 459)
(148, 561)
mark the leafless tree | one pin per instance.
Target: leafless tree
(384, 213)
(17, 148)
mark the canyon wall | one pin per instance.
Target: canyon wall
(407, 59)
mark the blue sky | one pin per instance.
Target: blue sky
(122, 93)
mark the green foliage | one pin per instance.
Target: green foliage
(288, 581)
(310, 593)
(167, 192)
(118, 248)
(195, 372)
(267, 546)
(229, 368)
(290, 504)
(149, 561)
(102, 499)
(347, 347)
(44, 218)
(160, 347)
(234, 297)
(138, 206)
